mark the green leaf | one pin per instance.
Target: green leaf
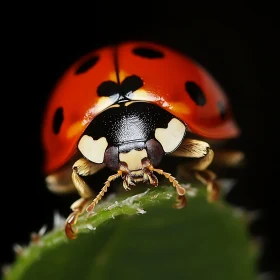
(144, 237)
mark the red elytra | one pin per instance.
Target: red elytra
(164, 76)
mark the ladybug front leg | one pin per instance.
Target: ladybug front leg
(81, 167)
(202, 156)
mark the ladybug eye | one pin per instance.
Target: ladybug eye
(87, 65)
(222, 109)
(195, 93)
(148, 53)
(108, 88)
(57, 120)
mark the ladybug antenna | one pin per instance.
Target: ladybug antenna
(149, 167)
(103, 190)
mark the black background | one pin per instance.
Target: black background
(238, 44)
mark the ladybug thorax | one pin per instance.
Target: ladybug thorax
(128, 133)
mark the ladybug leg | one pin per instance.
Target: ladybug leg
(223, 158)
(208, 178)
(202, 156)
(78, 207)
(60, 182)
(181, 202)
(192, 148)
(81, 167)
(228, 158)
(198, 168)
(127, 180)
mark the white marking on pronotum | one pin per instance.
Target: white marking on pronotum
(93, 150)
(171, 137)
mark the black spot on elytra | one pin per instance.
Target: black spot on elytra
(222, 109)
(148, 52)
(87, 65)
(57, 120)
(108, 88)
(195, 93)
(131, 84)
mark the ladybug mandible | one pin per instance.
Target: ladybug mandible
(125, 107)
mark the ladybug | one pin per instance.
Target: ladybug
(125, 107)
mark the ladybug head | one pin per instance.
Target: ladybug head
(129, 134)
